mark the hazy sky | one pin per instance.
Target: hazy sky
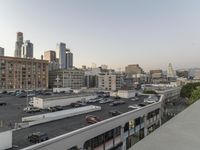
(151, 33)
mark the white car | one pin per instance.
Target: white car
(134, 107)
(150, 101)
(135, 98)
(31, 103)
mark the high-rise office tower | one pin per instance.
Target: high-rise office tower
(64, 56)
(1, 51)
(69, 59)
(27, 49)
(18, 44)
(170, 72)
(61, 55)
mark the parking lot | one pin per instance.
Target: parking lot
(13, 112)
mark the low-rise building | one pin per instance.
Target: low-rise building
(71, 78)
(110, 81)
(126, 93)
(23, 73)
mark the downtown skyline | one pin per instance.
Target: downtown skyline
(112, 33)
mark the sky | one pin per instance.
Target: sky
(151, 33)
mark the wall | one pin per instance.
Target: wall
(5, 140)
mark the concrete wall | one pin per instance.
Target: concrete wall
(43, 118)
(5, 140)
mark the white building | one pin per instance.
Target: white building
(1, 51)
(109, 81)
(126, 93)
(27, 50)
(45, 102)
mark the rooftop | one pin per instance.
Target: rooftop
(61, 96)
(180, 133)
(13, 112)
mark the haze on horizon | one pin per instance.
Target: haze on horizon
(151, 33)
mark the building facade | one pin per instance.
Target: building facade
(64, 56)
(69, 59)
(110, 81)
(1, 51)
(72, 78)
(27, 49)
(21, 73)
(18, 44)
(50, 55)
(133, 69)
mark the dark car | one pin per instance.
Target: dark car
(142, 104)
(75, 104)
(92, 119)
(4, 92)
(37, 137)
(115, 103)
(115, 112)
(58, 108)
(51, 109)
(21, 95)
(3, 103)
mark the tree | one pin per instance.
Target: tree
(149, 92)
(195, 95)
(187, 89)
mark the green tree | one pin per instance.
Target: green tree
(149, 92)
(187, 89)
(195, 95)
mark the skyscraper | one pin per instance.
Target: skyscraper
(65, 56)
(69, 59)
(1, 51)
(170, 71)
(27, 49)
(18, 44)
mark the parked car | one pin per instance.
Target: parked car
(30, 103)
(94, 100)
(4, 92)
(115, 112)
(115, 103)
(37, 137)
(105, 101)
(75, 104)
(2, 103)
(92, 119)
(134, 99)
(134, 106)
(142, 104)
(58, 108)
(51, 109)
(82, 103)
(31, 109)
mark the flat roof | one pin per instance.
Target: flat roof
(180, 133)
(61, 96)
(14, 112)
